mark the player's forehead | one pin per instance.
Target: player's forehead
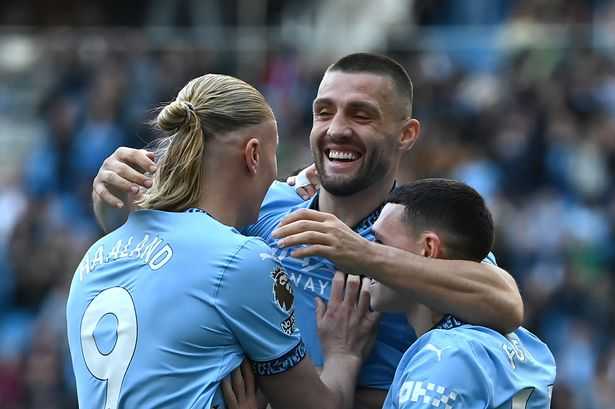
(390, 221)
(339, 87)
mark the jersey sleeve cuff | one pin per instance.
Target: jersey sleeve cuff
(281, 364)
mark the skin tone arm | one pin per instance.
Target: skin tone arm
(479, 293)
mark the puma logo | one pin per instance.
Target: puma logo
(433, 348)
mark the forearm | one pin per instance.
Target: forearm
(108, 217)
(339, 374)
(475, 292)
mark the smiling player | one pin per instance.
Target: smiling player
(362, 125)
(163, 308)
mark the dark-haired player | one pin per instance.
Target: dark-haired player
(362, 125)
(454, 364)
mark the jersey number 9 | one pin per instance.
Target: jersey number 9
(111, 366)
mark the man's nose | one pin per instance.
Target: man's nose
(339, 126)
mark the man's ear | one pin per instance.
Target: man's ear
(431, 246)
(409, 134)
(251, 154)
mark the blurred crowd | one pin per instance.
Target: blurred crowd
(516, 98)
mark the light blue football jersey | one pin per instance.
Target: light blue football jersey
(462, 366)
(165, 307)
(312, 278)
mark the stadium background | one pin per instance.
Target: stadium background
(515, 97)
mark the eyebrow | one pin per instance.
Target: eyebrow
(322, 101)
(356, 105)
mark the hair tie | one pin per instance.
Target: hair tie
(190, 106)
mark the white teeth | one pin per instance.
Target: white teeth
(342, 155)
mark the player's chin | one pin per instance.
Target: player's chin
(341, 184)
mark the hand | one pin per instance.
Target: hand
(325, 235)
(306, 182)
(345, 325)
(239, 388)
(123, 173)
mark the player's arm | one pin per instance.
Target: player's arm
(123, 176)
(346, 328)
(263, 324)
(480, 293)
(120, 178)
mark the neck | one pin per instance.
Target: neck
(219, 198)
(422, 318)
(354, 208)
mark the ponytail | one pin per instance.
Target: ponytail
(179, 159)
(207, 106)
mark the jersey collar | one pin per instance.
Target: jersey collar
(365, 224)
(448, 321)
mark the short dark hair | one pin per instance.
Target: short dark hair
(381, 65)
(452, 209)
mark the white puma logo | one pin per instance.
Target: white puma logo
(438, 351)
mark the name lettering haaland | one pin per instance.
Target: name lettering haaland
(153, 252)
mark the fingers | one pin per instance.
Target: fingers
(299, 226)
(337, 288)
(248, 377)
(308, 237)
(305, 182)
(310, 190)
(123, 176)
(353, 285)
(313, 250)
(103, 193)
(118, 174)
(305, 214)
(306, 192)
(237, 382)
(111, 179)
(301, 179)
(229, 395)
(364, 297)
(139, 157)
(312, 174)
(321, 308)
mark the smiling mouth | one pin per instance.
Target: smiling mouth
(335, 155)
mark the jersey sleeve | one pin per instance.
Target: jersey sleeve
(490, 259)
(443, 376)
(256, 300)
(278, 199)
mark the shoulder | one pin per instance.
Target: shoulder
(280, 196)
(441, 367)
(252, 262)
(444, 348)
(254, 251)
